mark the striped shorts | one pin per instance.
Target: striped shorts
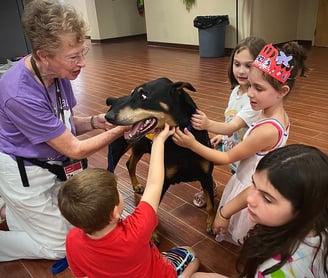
(180, 257)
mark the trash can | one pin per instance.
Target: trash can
(211, 34)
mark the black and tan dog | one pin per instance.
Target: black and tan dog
(149, 106)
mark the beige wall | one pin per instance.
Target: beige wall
(81, 6)
(167, 21)
(111, 18)
(119, 18)
(283, 20)
(307, 19)
(276, 21)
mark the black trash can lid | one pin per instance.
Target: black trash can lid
(204, 22)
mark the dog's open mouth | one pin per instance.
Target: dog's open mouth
(139, 129)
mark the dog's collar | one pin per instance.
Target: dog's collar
(150, 136)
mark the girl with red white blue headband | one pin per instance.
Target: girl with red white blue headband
(271, 79)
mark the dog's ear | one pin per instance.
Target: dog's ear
(188, 103)
(181, 85)
(188, 106)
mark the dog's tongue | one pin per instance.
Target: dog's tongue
(139, 129)
(134, 131)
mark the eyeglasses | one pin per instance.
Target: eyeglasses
(73, 60)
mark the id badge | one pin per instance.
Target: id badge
(73, 169)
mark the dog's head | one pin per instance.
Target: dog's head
(150, 105)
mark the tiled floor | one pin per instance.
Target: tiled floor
(115, 68)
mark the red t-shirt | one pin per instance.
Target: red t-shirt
(124, 252)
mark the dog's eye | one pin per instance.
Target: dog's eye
(143, 96)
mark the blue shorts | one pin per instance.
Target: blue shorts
(180, 257)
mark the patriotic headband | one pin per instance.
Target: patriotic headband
(273, 64)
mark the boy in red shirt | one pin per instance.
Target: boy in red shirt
(103, 245)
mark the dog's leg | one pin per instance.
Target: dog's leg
(137, 151)
(155, 237)
(210, 203)
(115, 151)
(131, 164)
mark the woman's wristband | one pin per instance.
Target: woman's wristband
(222, 217)
(92, 122)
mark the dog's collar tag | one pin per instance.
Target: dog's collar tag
(150, 136)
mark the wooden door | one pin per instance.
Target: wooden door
(321, 32)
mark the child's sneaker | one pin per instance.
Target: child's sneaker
(199, 198)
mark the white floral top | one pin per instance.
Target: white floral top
(299, 265)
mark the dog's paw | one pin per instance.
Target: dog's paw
(209, 225)
(209, 229)
(139, 189)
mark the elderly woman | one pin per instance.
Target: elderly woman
(38, 144)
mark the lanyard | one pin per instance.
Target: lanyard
(58, 94)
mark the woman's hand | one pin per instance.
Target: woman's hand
(183, 139)
(199, 120)
(100, 122)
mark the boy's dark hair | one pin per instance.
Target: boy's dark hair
(300, 174)
(254, 46)
(87, 199)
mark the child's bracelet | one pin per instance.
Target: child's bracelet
(92, 122)
(222, 217)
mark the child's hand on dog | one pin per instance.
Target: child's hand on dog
(199, 120)
(183, 138)
(163, 134)
(216, 140)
